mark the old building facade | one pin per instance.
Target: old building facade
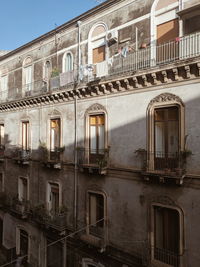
(99, 130)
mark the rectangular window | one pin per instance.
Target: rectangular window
(54, 198)
(96, 214)
(23, 242)
(25, 135)
(54, 134)
(97, 134)
(166, 125)
(23, 189)
(166, 235)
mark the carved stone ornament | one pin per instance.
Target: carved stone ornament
(166, 97)
(54, 112)
(164, 200)
(95, 108)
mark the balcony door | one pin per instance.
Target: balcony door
(166, 126)
(97, 138)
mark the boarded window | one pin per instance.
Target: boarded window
(25, 135)
(166, 235)
(99, 54)
(167, 31)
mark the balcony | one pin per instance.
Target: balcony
(163, 257)
(56, 221)
(92, 160)
(22, 156)
(53, 158)
(124, 63)
(164, 166)
(20, 208)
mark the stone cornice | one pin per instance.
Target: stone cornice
(130, 82)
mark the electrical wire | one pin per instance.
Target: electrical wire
(54, 242)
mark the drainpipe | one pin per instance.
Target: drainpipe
(75, 126)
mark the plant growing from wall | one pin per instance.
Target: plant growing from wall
(55, 72)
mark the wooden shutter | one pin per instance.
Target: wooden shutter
(167, 31)
(99, 54)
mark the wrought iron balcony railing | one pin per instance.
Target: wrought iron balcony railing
(93, 159)
(168, 257)
(22, 156)
(173, 163)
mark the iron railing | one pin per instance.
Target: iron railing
(155, 55)
(57, 221)
(159, 161)
(23, 155)
(169, 257)
(93, 157)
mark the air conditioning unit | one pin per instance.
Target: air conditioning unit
(112, 37)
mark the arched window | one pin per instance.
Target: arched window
(27, 75)
(47, 70)
(96, 133)
(97, 44)
(67, 62)
(167, 238)
(166, 132)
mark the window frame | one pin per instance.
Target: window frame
(165, 100)
(27, 146)
(27, 193)
(27, 63)
(18, 241)
(97, 41)
(48, 193)
(65, 60)
(181, 230)
(104, 228)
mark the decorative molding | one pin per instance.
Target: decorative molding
(143, 79)
(96, 108)
(166, 97)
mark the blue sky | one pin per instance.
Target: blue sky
(24, 20)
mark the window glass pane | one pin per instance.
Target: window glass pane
(159, 114)
(101, 138)
(173, 113)
(159, 139)
(173, 138)
(93, 139)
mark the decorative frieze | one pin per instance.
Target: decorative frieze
(136, 81)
